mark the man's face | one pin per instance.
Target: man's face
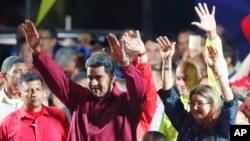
(14, 75)
(100, 83)
(186, 79)
(47, 43)
(183, 41)
(84, 40)
(32, 94)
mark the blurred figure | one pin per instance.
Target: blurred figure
(153, 136)
(241, 86)
(244, 69)
(19, 38)
(33, 120)
(13, 67)
(87, 41)
(182, 45)
(153, 52)
(71, 61)
(50, 42)
(196, 51)
(231, 57)
(25, 52)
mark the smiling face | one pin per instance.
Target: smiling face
(199, 107)
(100, 83)
(187, 77)
(32, 94)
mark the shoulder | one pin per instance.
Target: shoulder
(56, 113)
(53, 110)
(10, 118)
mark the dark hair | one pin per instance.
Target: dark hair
(52, 31)
(100, 59)
(156, 136)
(20, 42)
(10, 61)
(229, 50)
(30, 76)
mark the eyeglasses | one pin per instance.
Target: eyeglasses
(198, 104)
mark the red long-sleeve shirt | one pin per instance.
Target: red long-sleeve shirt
(151, 97)
(51, 125)
(114, 118)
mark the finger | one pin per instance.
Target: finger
(201, 9)
(161, 45)
(24, 28)
(209, 49)
(206, 9)
(108, 52)
(131, 34)
(213, 11)
(173, 46)
(198, 11)
(125, 38)
(138, 34)
(162, 41)
(196, 24)
(111, 40)
(165, 38)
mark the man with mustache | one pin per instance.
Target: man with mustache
(103, 113)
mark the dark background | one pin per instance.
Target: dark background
(162, 17)
(165, 15)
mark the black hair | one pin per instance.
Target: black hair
(100, 59)
(30, 76)
(52, 31)
(156, 136)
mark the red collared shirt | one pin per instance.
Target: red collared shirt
(51, 125)
(114, 118)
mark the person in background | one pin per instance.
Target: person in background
(13, 67)
(33, 121)
(241, 86)
(25, 52)
(182, 45)
(50, 43)
(134, 43)
(244, 69)
(19, 38)
(153, 52)
(102, 112)
(87, 41)
(153, 136)
(208, 118)
(71, 61)
(230, 53)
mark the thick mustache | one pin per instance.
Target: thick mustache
(95, 87)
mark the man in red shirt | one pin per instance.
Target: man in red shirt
(34, 121)
(103, 112)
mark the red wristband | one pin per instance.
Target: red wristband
(143, 53)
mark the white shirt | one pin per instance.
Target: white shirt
(8, 105)
(156, 121)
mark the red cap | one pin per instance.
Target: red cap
(245, 25)
(244, 81)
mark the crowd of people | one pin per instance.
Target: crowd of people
(139, 88)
